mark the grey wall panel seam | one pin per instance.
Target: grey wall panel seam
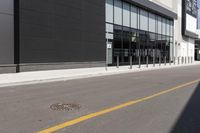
(10, 14)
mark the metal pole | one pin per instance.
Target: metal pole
(118, 61)
(178, 60)
(191, 60)
(131, 62)
(147, 59)
(106, 61)
(174, 60)
(181, 60)
(188, 60)
(139, 62)
(165, 60)
(106, 67)
(153, 60)
(159, 60)
(170, 60)
(185, 60)
(106, 54)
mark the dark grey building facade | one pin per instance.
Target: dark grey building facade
(6, 36)
(62, 31)
(58, 34)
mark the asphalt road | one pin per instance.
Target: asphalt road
(26, 109)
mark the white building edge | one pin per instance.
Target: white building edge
(184, 46)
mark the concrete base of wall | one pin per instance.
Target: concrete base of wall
(50, 66)
(7, 69)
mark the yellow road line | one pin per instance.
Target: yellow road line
(105, 111)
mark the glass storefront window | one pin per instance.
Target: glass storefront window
(152, 22)
(126, 14)
(134, 17)
(152, 37)
(159, 25)
(118, 12)
(109, 11)
(168, 27)
(126, 44)
(171, 28)
(136, 32)
(143, 20)
(134, 35)
(159, 38)
(164, 26)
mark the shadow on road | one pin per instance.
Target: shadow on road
(189, 120)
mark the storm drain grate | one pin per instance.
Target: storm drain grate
(65, 107)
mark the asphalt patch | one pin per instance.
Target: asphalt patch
(65, 107)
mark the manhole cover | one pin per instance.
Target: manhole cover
(65, 106)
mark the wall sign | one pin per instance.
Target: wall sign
(109, 45)
(189, 18)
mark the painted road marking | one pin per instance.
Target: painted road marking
(105, 111)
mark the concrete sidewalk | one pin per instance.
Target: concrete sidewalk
(68, 74)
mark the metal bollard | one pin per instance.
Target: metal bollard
(131, 62)
(139, 62)
(159, 60)
(191, 60)
(170, 61)
(147, 60)
(165, 60)
(174, 60)
(178, 60)
(182, 60)
(153, 61)
(117, 61)
(185, 60)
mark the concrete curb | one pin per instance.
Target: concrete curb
(27, 78)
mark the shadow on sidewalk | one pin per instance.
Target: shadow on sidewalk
(189, 120)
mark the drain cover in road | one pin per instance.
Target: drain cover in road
(64, 107)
